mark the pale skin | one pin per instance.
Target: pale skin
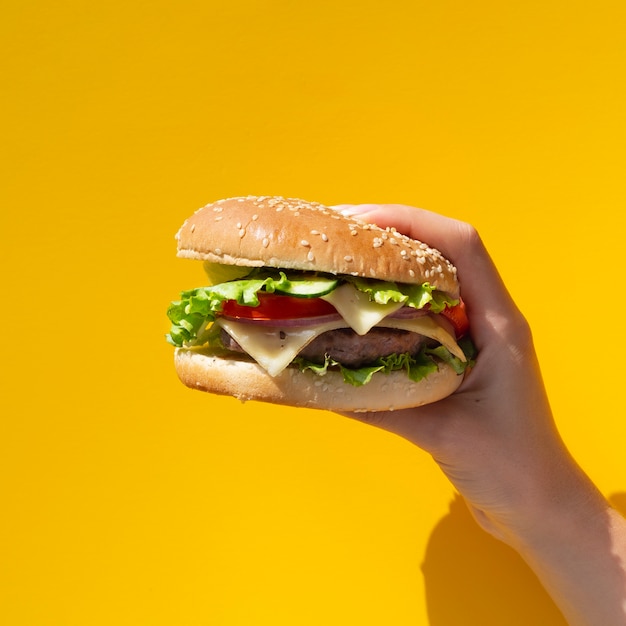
(496, 440)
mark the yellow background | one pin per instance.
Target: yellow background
(128, 499)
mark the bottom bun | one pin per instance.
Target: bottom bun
(246, 380)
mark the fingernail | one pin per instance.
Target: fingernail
(349, 209)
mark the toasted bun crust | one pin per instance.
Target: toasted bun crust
(294, 234)
(246, 380)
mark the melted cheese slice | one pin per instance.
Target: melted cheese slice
(273, 348)
(428, 327)
(360, 313)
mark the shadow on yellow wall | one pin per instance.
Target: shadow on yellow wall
(473, 579)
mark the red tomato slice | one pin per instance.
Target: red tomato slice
(457, 316)
(278, 307)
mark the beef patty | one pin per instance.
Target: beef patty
(350, 349)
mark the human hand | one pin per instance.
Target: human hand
(494, 438)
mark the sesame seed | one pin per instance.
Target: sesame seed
(393, 242)
(403, 253)
(218, 209)
(219, 218)
(193, 227)
(242, 232)
(354, 232)
(305, 243)
(324, 237)
(310, 256)
(218, 251)
(315, 232)
(266, 242)
(255, 217)
(411, 273)
(347, 258)
(239, 225)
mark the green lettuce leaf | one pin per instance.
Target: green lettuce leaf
(466, 344)
(199, 307)
(416, 296)
(416, 367)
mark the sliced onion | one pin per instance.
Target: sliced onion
(406, 312)
(289, 322)
(409, 312)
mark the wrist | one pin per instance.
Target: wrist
(546, 504)
(577, 549)
(555, 509)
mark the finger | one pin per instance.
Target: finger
(429, 426)
(482, 287)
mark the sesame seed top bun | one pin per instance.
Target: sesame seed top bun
(272, 231)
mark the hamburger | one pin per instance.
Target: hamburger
(306, 307)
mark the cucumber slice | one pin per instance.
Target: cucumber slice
(299, 284)
(313, 287)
